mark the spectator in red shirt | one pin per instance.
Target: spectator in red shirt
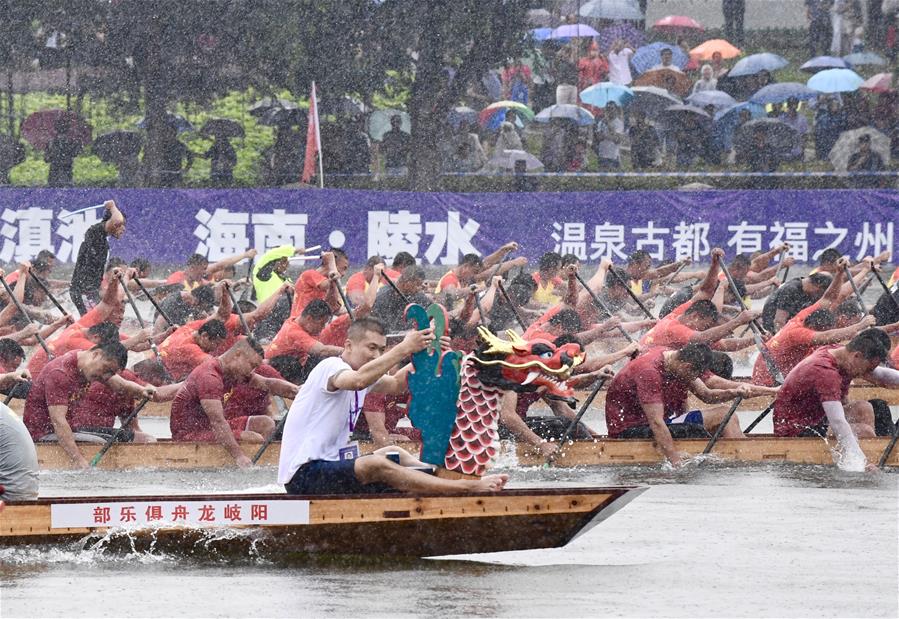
(67, 379)
(648, 398)
(811, 400)
(316, 283)
(198, 411)
(591, 69)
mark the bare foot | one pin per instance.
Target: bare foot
(490, 483)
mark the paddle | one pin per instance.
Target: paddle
(155, 304)
(477, 300)
(889, 448)
(346, 302)
(724, 422)
(125, 423)
(140, 320)
(786, 274)
(81, 210)
(12, 390)
(671, 277)
(282, 408)
(518, 318)
(392, 284)
(756, 328)
(245, 295)
(577, 418)
(631, 293)
(603, 307)
(47, 292)
(886, 288)
(858, 295)
(243, 321)
(21, 309)
(758, 419)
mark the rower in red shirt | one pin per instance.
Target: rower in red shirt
(648, 397)
(316, 283)
(811, 400)
(299, 337)
(473, 269)
(380, 414)
(245, 400)
(67, 379)
(198, 411)
(198, 270)
(191, 345)
(696, 321)
(360, 281)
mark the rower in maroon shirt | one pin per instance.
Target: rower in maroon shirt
(813, 400)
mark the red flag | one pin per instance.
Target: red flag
(313, 142)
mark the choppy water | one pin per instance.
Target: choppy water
(776, 540)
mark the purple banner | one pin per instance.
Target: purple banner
(438, 228)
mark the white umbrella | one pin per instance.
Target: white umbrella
(565, 110)
(379, 123)
(652, 101)
(847, 144)
(506, 160)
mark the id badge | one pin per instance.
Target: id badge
(350, 452)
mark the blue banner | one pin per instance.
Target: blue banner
(166, 226)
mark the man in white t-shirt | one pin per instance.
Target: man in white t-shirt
(667, 62)
(608, 135)
(619, 63)
(317, 456)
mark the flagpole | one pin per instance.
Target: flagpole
(318, 139)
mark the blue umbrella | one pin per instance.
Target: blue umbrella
(612, 9)
(726, 121)
(650, 55)
(573, 31)
(177, 121)
(541, 34)
(862, 58)
(712, 97)
(836, 80)
(566, 111)
(620, 30)
(778, 93)
(820, 63)
(756, 63)
(600, 95)
(461, 114)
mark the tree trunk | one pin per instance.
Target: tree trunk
(154, 106)
(424, 112)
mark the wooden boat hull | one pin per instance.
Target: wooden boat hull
(172, 455)
(388, 525)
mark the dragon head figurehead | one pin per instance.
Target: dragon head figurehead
(520, 365)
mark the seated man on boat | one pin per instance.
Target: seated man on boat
(198, 411)
(18, 458)
(299, 338)
(813, 400)
(54, 396)
(317, 456)
(648, 398)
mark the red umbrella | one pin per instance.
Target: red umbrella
(40, 128)
(882, 82)
(677, 22)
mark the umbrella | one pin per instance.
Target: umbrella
(779, 136)
(573, 31)
(222, 127)
(865, 58)
(847, 144)
(111, 147)
(726, 121)
(705, 51)
(820, 63)
(177, 121)
(39, 128)
(778, 93)
(756, 63)
(631, 36)
(541, 34)
(262, 106)
(506, 160)
(650, 55)
(283, 117)
(651, 101)
(612, 9)
(346, 106)
(836, 80)
(495, 113)
(600, 95)
(882, 82)
(461, 114)
(539, 17)
(567, 111)
(717, 98)
(680, 113)
(379, 123)
(669, 79)
(671, 23)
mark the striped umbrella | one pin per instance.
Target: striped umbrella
(650, 55)
(495, 113)
(631, 36)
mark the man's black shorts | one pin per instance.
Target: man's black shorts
(331, 477)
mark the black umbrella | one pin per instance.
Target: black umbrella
(779, 136)
(279, 117)
(265, 104)
(111, 147)
(222, 127)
